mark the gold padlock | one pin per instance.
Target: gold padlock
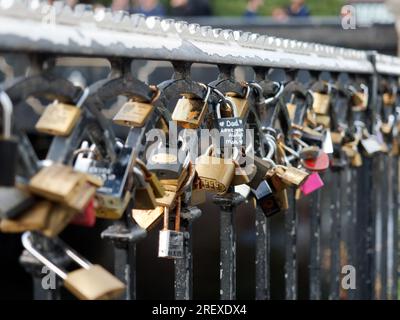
(388, 99)
(282, 199)
(107, 208)
(144, 194)
(291, 176)
(323, 120)
(241, 103)
(216, 174)
(321, 103)
(89, 282)
(58, 218)
(189, 112)
(133, 114)
(146, 219)
(34, 219)
(58, 119)
(291, 108)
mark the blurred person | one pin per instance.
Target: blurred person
(149, 8)
(252, 8)
(190, 8)
(279, 14)
(298, 9)
(118, 5)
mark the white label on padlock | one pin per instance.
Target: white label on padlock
(327, 145)
(170, 244)
(243, 190)
(371, 144)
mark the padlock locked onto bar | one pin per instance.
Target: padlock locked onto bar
(313, 183)
(58, 119)
(89, 282)
(321, 103)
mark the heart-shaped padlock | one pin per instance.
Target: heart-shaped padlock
(320, 163)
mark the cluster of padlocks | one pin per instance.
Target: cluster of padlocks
(273, 139)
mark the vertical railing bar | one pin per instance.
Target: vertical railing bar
(354, 229)
(384, 215)
(262, 255)
(395, 200)
(335, 236)
(378, 231)
(315, 247)
(291, 248)
(183, 282)
(390, 230)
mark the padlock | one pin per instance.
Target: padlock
(231, 129)
(189, 112)
(291, 176)
(168, 200)
(58, 218)
(263, 167)
(144, 195)
(113, 197)
(8, 145)
(323, 120)
(242, 103)
(35, 218)
(82, 195)
(85, 160)
(371, 145)
(167, 167)
(388, 99)
(266, 199)
(282, 199)
(170, 243)
(147, 219)
(360, 99)
(291, 109)
(59, 119)
(87, 217)
(198, 195)
(321, 163)
(89, 282)
(56, 182)
(133, 114)
(357, 160)
(321, 103)
(313, 183)
(14, 201)
(337, 138)
(215, 174)
(152, 179)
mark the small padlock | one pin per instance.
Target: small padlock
(58, 219)
(59, 119)
(8, 145)
(313, 183)
(170, 243)
(388, 99)
(266, 199)
(371, 145)
(263, 167)
(321, 103)
(360, 99)
(144, 194)
(291, 176)
(215, 174)
(147, 219)
(321, 163)
(242, 103)
(89, 282)
(133, 114)
(189, 112)
(231, 129)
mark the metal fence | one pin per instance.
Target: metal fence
(352, 221)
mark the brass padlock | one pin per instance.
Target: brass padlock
(144, 194)
(89, 282)
(58, 119)
(133, 114)
(107, 208)
(56, 182)
(323, 120)
(33, 219)
(291, 108)
(168, 200)
(198, 195)
(241, 103)
(58, 218)
(189, 112)
(321, 103)
(389, 99)
(147, 219)
(282, 199)
(291, 176)
(215, 174)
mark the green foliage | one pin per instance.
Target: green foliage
(237, 7)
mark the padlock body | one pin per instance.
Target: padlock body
(146, 219)
(321, 103)
(189, 113)
(170, 244)
(94, 283)
(133, 114)
(313, 183)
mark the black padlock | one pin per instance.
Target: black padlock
(266, 199)
(8, 145)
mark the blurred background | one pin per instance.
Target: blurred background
(307, 20)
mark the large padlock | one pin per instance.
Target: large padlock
(231, 129)
(59, 119)
(89, 282)
(170, 243)
(216, 174)
(190, 112)
(8, 145)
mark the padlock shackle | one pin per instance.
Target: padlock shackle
(274, 98)
(140, 175)
(83, 97)
(7, 114)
